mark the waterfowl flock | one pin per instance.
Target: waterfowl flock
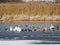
(19, 29)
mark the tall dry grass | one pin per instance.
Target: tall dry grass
(30, 8)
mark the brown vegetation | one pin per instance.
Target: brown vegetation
(30, 8)
(29, 11)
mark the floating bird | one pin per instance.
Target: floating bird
(51, 27)
(17, 28)
(11, 29)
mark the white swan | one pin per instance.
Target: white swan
(17, 28)
(11, 29)
(51, 27)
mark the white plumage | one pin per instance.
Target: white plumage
(51, 27)
(11, 28)
(17, 28)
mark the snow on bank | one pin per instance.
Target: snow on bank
(16, 42)
(20, 42)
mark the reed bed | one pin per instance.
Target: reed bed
(28, 10)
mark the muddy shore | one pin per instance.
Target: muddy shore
(25, 19)
(32, 22)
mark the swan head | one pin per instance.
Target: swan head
(51, 24)
(17, 25)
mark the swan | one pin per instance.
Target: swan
(51, 27)
(11, 29)
(17, 28)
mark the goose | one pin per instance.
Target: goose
(17, 28)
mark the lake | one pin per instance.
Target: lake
(30, 25)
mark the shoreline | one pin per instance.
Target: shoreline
(32, 22)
